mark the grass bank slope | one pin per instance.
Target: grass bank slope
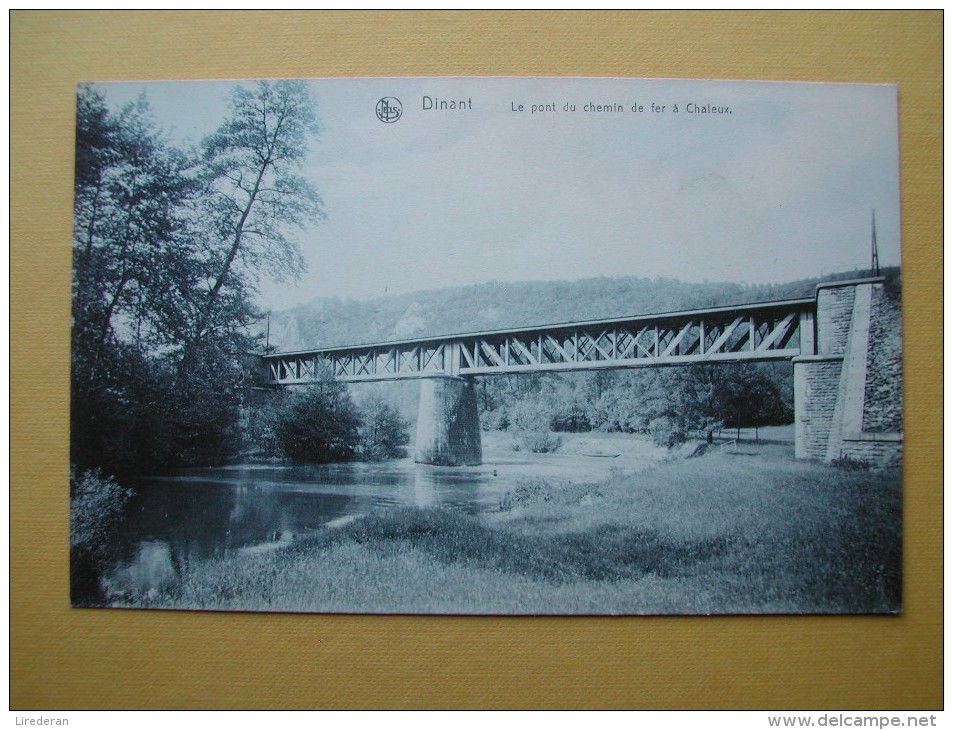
(743, 529)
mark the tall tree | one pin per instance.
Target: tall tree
(130, 190)
(133, 253)
(168, 252)
(254, 199)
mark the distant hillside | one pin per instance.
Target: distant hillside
(495, 305)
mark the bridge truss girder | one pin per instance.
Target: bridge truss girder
(772, 331)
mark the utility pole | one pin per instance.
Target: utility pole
(874, 260)
(268, 331)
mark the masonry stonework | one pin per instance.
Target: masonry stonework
(816, 385)
(883, 400)
(848, 394)
(835, 304)
(877, 449)
(448, 424)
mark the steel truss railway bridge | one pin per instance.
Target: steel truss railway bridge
(824, 336)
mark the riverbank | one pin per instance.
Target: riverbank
(734, 530)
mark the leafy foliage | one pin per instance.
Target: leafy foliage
(666, 402)
(96, 508)
(321, 424)
(253, 198)
(383, 432)
(96, 505)
(168, 249)
(318, 424)
(537, 442)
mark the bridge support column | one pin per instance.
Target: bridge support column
(448, 425)
(847, 394)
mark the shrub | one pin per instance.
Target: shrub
(96, 507)
(261, 442)
(96, 510)
(318, 424)
(531, 415)
(139, 418)
(383, 433)
(666, 432)
(537, 442)
(495, 420)
(527, 492)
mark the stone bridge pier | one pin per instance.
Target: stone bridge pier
(448, 423)
(848, 392)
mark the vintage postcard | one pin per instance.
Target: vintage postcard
(517, 346)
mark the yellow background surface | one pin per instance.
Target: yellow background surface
(63, 658)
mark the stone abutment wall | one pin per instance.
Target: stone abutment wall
(849, 395)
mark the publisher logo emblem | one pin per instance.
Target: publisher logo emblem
(389, 109)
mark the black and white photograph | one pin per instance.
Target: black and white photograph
(487, 346)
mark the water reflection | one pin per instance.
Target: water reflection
(203, 513)
(425, 488)
(150, 569)
(200, 514)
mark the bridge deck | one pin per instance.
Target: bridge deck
(763, 331)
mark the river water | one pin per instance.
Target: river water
(202, 513)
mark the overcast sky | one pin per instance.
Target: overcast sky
(779, 189)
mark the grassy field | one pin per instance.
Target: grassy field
(740, 529)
